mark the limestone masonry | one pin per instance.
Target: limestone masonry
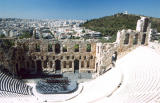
(33, 56)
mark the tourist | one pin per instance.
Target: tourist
(114, 59)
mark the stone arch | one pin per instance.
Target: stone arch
(57, 48)
(58, 65)
(76, 65)
(143, 39)
(126, 40)
(135, 39)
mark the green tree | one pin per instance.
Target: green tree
(7, 44)
(2, 36)
(25, 34)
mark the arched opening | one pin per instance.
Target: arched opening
(33, 64)
(50, 65)
(50, 49)
(82, 64)
(88, 64)
(67, 57)
(45, 64)
(88, 49)
(37, 48)
(76, 47)
(39, 66)
(27, 65)
(17, 68)
(64, 48)
(58, 65)
(145, 25)
(57, 48)
(70, 64)
(96, 66)
(64, 64)
(126, 40)
(143, 39)
(76, 66)
(135, 41)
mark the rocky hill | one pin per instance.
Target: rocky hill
(109, 25)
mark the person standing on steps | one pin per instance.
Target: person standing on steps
(114, 58)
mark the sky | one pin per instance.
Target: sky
(76, 9)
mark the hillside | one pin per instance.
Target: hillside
(109, 25)
(155, 23)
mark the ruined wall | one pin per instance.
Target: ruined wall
(7, 50)
(125, 42)
(55, 56)
(104, 52)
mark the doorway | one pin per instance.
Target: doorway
(58, 66)
(76, 66)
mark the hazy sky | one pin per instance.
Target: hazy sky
(76, 9)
